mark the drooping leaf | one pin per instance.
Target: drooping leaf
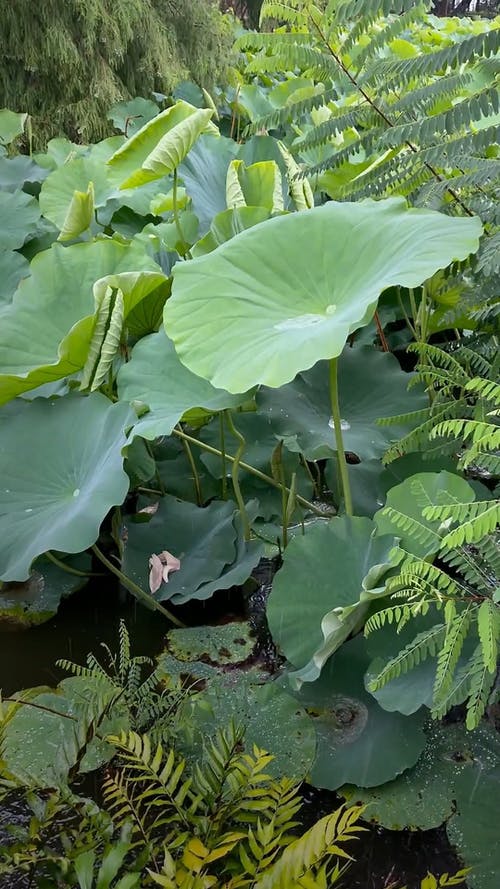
(370, 383)
(46, 332)
(79, 215)
(259, 185)
(283, 295)
(12, 125)
(61, 470)
(324, 589)
(160, 145)
(357, 741)
(155, 377)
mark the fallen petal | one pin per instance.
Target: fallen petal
(156, 573)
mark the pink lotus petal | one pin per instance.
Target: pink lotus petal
(170, 563)
(156, 573)
(150, 510)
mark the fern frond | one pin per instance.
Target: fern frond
(409, 525)
(476, 519)
(481, 681)
(488, 627)
(424, 645)
(299, 109)
(324, 840)
(447, 659)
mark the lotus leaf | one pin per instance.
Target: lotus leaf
(35, 601)
(11, 125)
(204, 540)
(259, 185)
(271, 717)
(62, 470)
(204, 175)
(283, 295)
(419, 535)
(155, 376)
(357, 741)
(219, 646)
(456, 778)
(323, 592)
(16, 171)
(370, 386)
(42, 743)
(13, 268)
(23, 214)
(131, 115)
(45, 333)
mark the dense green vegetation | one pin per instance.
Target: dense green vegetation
(266, 329)
(66, 62)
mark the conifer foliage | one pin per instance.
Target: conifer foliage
(66, 62)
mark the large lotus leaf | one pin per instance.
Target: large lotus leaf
(283, 295)
(271, 717)
(371, 384)
(325, 572)
(131, 115)
(42, 743)
(474, 827)
(13, 268)
(457, 778)
(407, 502)
(16, 171)
(357, 741)
(204, 540)
(45, 333)
(228, 224)
(160, 145)
(155, 376)
(23, 213)
(62, 470)
(35, 601)
(204, 174)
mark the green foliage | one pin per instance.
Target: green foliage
(88, 56)
(224, 821)
(464, 406)
(465, 594)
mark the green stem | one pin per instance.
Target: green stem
(248, 468)
(414, 312)
(196, 477)
(235, 469)
(60, 564)
(408, 322)
(223, 455)
(334, 398)
(136, 591)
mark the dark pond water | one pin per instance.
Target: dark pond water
(384, 859)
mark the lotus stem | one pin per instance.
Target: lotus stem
(337, 424)
(223, 455)
(196, 477)
(235, 474)
(248, 468)
(68, 568)
(136, 590)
